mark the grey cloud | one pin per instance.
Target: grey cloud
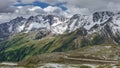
(73, 7)
(6, 5)
(27, 11)
(52, 2)
(55, 11)
(27, 1)
(92, 5)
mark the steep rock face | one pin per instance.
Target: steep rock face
(14, 26)
(101, 16)
(110, 27)
(4, 32)
(77, 21)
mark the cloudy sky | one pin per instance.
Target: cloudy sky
(24, 8)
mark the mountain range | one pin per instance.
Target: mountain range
(22, 38)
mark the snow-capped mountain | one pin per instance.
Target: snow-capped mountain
(51, 23)
(104, 22)
(96, 22)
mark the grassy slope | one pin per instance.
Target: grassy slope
(103, 52)
(23, 46)
(20, 47)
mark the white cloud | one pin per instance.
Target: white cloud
(51, 9)
(92, 5)
(73, 7)
(113, 6)
(5, 17)
(34, 8)
(76, 10)
(55, 11)
(27, 11)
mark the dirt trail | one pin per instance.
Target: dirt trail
(92, 60)
(8, 63)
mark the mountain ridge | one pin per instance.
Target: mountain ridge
(101, 22)
(48, 33)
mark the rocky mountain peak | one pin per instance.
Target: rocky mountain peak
(101, 16)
